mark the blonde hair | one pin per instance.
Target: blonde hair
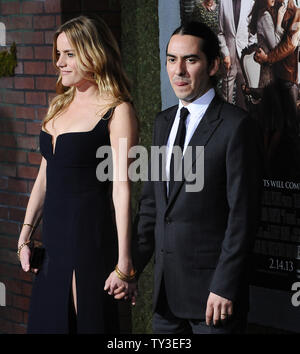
(98, 56)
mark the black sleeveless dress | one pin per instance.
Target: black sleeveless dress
(78, 235)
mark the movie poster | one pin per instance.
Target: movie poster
(269, 92)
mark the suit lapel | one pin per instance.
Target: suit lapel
(165, 129)
(231, 16)
(243, 14)
(201, 136)
(167, 125)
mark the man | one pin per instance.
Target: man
(284, 58)
(202, 239)
(233, 38)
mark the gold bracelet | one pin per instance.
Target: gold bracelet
(131, 274)
(29, 225)
(124, 276)
(20, 248)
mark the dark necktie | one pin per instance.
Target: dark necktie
(236, 11)
(179, 141)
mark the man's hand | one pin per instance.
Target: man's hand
(227, 63)
(217, 309)
(260, 56)
(131, 294)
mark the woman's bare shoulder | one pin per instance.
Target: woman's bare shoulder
(124, 108)
(124, 120)
(124, 112)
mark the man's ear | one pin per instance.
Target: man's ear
(214, 67)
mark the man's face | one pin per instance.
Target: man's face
(187, 67)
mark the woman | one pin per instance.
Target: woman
(92, 109)
(207, 11)
(266, 21)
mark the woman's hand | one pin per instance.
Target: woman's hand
(296, 35)
(281, 13)
(296, 38)
(25, 259)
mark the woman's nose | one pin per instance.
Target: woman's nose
(60, 61)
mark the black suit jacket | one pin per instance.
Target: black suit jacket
(202, 240)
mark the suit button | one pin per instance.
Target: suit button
(168, 220)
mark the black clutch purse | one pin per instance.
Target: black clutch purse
(37, 255)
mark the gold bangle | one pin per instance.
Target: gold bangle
(29, 225)
(124, 276)
(20, 248)
(131, 274)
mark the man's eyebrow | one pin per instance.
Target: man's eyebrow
(185, 56)
(191, 56)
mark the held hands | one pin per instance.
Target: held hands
(120, 288)
(217, 309)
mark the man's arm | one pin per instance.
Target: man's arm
(144, 224)
(143, 239)
(221, 34)
(252, 38)
(244, 166)
(283, 50)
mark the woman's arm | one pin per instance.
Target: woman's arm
(279, 30)
(123, 135)
(271, 36)
(33, 213)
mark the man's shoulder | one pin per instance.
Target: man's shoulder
(228, 110)
(238, 121)
(232, 114)
(234, 109)
(166, 112)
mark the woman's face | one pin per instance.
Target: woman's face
(271, 3)
(67, 63)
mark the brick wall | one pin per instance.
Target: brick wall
(23, 103)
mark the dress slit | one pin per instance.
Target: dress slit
(72, 308)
